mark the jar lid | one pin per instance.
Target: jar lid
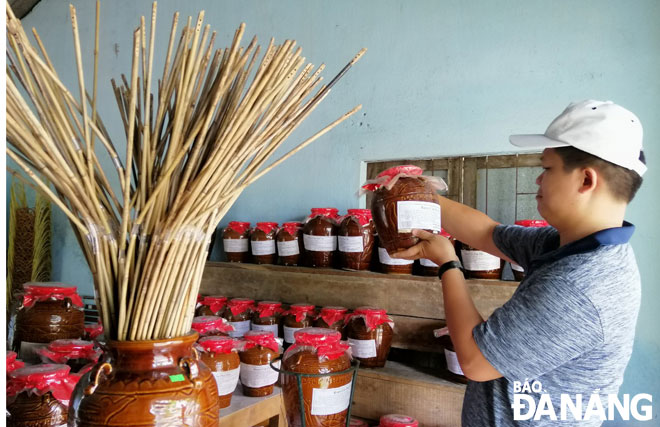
(60, 351)
(43, 378)
(329, 212)
(370, 310)
(532, 223)
(363, 215)
(396, 420)
(262, 338)
(373, 317)
(214, 302)
(93, 329)
(240, 305)
(206, 324)
(44, 373)
(43, 291)
(269, 308)
(292, 227)
(331, 315)
(300, 310)
(324, 342)
(239, 227)
(69, 345)
(219, 344)
(385, 177)
(266, 227)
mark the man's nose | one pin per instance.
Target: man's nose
(539, 179)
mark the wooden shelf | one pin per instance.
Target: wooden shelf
(247, 411)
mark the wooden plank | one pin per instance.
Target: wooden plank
(399, 295)
(509, 161)
(413, 333)
(469, 192)
(248, 411)
(398, 388)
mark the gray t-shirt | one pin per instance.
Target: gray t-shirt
(569, 326)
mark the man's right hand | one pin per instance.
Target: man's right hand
(432, 246)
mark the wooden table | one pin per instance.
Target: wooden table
(247, 411)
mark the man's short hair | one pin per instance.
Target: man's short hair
(623, 183)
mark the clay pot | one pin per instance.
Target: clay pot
(147, 383)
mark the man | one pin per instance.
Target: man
(569, 327)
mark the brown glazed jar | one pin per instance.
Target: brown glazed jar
(389, 265)
(257, 376)
(239, 313)
(332, 318)
(39, 395)
(290, 248)
(297, 317)
(454, 371)
(518, 271)
(397, 420)
(208, 326)
(220, 354)
(320, 237)
(325, 399)
(369, 331)
(428, 267)
(147, 383)
(403, 200)
(79, 355)
(49, 312)
(356, 240)
(266, 317)
(262, 242)
(211, 306)
(235, 241)
(479, 264)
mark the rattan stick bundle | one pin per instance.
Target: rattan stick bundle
(195, 139)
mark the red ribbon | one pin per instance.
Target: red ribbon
(266, 227)
(215, 303)
(373, 317)
(34, 293)
(330, 315)
(262, 338)
(239, 305)
(41, 379)
(239, 227)
(300, 310)
(268, 309)
(292, 227)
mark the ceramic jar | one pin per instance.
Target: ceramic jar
(369, 331)
(220, 355)
(257, 376)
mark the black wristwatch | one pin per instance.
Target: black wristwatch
(448, 266)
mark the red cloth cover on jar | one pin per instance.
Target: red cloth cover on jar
(43, 292)
(300, 310)
(61, 351)
(373, 317)
(40, 379)
(239, 305)
(269, 308)
(239, 227)
(262, 338)
(206, 324)
(219, 344)
(326, 342)
(215, 303)
(331, 315)
(292, 227)
(266, 227)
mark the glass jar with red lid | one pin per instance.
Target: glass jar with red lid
(212, 305)
(297, 317)
(397, 420)
(78, 354)
(267, 316)
(480, 264)
(320, 237)
(220, 354)
(39, 395)
(428, 267)
(235, 241)
(290, 247)
(518, 271)
(212, 326)
(49, 311)
(262, 241)
(355, 239)
(257, 376)
(331, 318)
(325, 399)
(404, 200)
(454, 371)
(369, 331)
(12, 362)
(238, 313)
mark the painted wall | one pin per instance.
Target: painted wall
(440, 78)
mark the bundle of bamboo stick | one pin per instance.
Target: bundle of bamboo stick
(218, 116)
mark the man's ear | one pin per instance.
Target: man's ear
(589, 178)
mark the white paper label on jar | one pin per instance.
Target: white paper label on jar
(516, 267)
(240, 328)
(29, 351)
(350, 244)
(288, 248)
(452, 362)
(411, 214)
(259, 375)
(385, 258)
(320, 243)
(427, 263)
(362, 348)
(329, 401)
(479, 261)
(265, 247)
(226, 380)
(288, 334)
(235, 245)
(268, 328)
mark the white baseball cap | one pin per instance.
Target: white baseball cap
(601, 128)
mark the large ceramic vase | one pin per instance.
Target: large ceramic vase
(147, 383)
